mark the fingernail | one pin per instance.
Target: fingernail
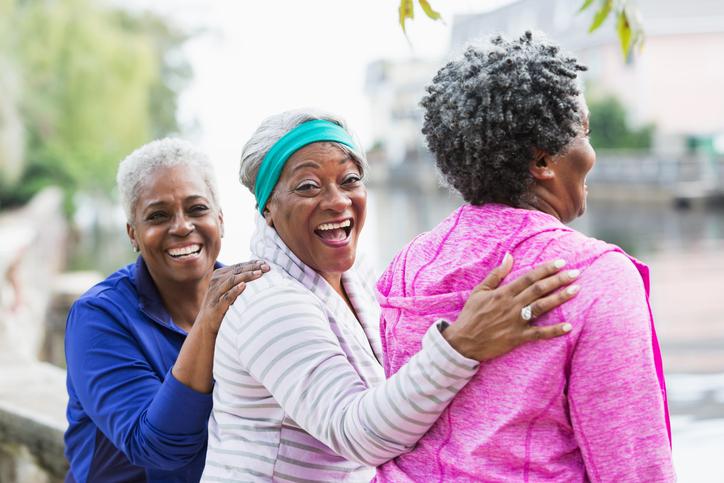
(572, 289)
(559, 263)
(573, 273)
(256, 272)
(567, 327)
(505, 258)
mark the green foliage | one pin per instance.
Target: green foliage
(610, 129)
(96, 84)
(628, 22)
(407, 10)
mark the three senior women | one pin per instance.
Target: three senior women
(508, 127)
(139, 345)
(300, 394)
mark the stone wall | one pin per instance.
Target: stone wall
(33, 397)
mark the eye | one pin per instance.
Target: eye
(352, 178)
(306, 186)
(156, 216)
(199, 210)
(588, 133)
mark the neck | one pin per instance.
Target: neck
(183, 300)
(536, 199)
(335, 280)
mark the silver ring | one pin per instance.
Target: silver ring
(526, 313)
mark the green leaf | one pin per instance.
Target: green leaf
(406, 11)
(601, 14)
(624, 33)
(429, 11)
(585, 5)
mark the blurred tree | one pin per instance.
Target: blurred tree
(610, 128)
(96, 83)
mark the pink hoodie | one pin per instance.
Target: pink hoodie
(588, 406)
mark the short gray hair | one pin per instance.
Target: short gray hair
(163, 153)
(274, 127)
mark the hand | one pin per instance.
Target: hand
(226, 284)
(491, 324)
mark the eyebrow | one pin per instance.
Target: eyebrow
(162, 202)
(315, 165)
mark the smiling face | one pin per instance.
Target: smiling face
(318, 208)
(177, 227)
(560, 180)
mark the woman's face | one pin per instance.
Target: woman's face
(563, 194)
(177, 227)
(318, 208)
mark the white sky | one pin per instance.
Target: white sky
(264, 57)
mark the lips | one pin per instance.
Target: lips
(335, 231)
(186, 252)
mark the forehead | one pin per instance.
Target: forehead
(316, 156)
(166, 183)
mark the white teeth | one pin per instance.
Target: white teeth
(179, 252)
(331, 226)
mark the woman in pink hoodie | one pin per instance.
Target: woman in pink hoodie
(508, 126)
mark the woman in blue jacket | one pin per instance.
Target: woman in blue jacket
(139, 345)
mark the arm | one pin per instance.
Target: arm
(294, 354)
(115, 381)
(195, 362)
(615, 402)
(111, 362)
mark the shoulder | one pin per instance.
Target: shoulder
(273, 294)
(118, 292)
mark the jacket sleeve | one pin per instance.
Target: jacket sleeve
(156, 424)
(291, 350)
(615, 403)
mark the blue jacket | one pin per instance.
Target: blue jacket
(129, 419)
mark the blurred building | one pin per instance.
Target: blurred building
(677, 82)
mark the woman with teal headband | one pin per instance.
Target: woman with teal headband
(300, 394)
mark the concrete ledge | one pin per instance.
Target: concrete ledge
(33, 402)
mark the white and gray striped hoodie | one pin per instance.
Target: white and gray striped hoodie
(300, 394)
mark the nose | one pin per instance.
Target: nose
(181, 226)
(335, 199)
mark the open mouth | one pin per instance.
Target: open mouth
(184, 253)
(334, 231)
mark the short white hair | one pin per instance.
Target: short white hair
(274, 127)
(162, 153)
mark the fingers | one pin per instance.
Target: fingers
(529, 278)
(497, 274)
(547, 332)
(550, 284)
(251, 266)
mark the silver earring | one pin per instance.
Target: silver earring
(135, 248)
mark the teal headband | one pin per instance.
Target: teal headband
(274, 161)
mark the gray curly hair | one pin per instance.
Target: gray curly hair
(274, 127)
(135, 169)
(487, 110)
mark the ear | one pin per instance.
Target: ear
(221, 222)
(268, 215)
(541, 166)
(132, 236)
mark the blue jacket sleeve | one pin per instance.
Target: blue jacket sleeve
(157, 424)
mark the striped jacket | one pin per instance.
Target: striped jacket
(300, 394)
